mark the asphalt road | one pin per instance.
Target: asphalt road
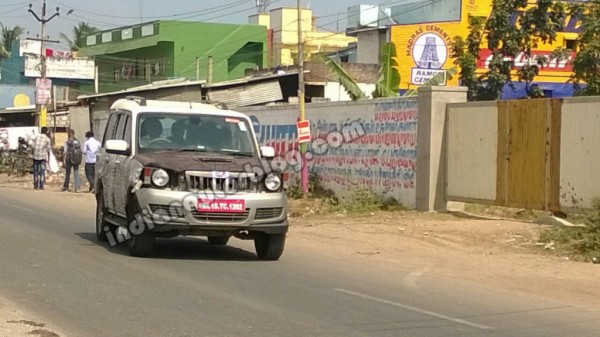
(51, 264)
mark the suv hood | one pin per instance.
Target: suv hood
(199, 161)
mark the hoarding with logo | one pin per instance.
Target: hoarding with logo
(424, 50)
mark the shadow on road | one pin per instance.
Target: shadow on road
(181, 248)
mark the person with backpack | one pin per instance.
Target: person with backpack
(73, 155)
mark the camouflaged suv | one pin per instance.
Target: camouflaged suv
(170, 168)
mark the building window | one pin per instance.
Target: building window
(91, 40)
(127, 34)
(147, 30)
(106, 37)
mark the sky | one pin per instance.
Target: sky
(106, 14)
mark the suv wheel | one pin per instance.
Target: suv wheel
(103, 227)
(141, 245)
(218, 240)
(269, 247)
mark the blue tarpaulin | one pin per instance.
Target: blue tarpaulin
(551, 90)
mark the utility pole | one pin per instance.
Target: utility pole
(303, 147)
(42, 108)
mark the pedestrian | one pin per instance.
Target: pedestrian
(91, 148)
(72, 159)
(41, 147)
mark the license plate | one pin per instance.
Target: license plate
(221, 205)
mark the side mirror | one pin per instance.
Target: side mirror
(267, 152)
(115, 146)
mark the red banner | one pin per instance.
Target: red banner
(485, 55)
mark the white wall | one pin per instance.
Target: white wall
(382, 157)
(580, 152)
(472, 147)
(335, 92)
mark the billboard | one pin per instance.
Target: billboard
(424, 49)
(60, 67)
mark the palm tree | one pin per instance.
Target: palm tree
(80, 31)
(8, 36)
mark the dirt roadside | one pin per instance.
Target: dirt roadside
(16, 323)
(495, 253)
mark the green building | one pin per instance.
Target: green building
(159, 50)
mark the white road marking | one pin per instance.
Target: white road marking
(411, 308)
(16, 206)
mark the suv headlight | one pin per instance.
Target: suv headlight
(272, 182)
(160, 178)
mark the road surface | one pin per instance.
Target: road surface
(52, 265)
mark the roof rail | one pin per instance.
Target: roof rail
(140, 100)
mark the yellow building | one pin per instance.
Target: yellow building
(424, 50)
(283, 27)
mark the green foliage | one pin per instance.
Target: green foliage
(8, 36)
(358, 200)
(345, 80)
(80, 31)
(315, 189)
(538, 24)
(388, 83)
(362, 200)
(582, 243)
(586, 65)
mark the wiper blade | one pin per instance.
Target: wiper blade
(192, 150)
(239, 154)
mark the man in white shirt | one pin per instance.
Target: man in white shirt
(91, 148)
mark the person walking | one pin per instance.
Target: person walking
(72, 159)
(91, 148)
(41, 147)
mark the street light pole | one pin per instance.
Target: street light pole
(42, 108)
(304, 163)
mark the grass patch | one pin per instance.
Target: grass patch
(580, 243)
(357, 200)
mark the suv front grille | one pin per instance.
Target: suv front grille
(220, 217)
(268, 213)
(236, 182)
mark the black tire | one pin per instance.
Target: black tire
(102, 227)
(218, 240)
(143, 244)
(269, 247)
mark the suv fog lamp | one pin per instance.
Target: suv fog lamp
(272, 182)
(160, 178)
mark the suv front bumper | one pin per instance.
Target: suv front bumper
(176, 210)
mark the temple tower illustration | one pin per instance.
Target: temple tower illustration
(429, 58)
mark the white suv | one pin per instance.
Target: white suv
(171, 168)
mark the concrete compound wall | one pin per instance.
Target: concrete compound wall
(371, 143)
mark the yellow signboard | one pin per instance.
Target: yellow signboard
(424, 50)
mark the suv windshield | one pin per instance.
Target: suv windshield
(193, 132)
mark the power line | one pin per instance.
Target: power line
(186, 14)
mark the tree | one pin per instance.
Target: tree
(513, 28)
(9, 35)
(586, 65)
(388, 83)
(80, 31)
